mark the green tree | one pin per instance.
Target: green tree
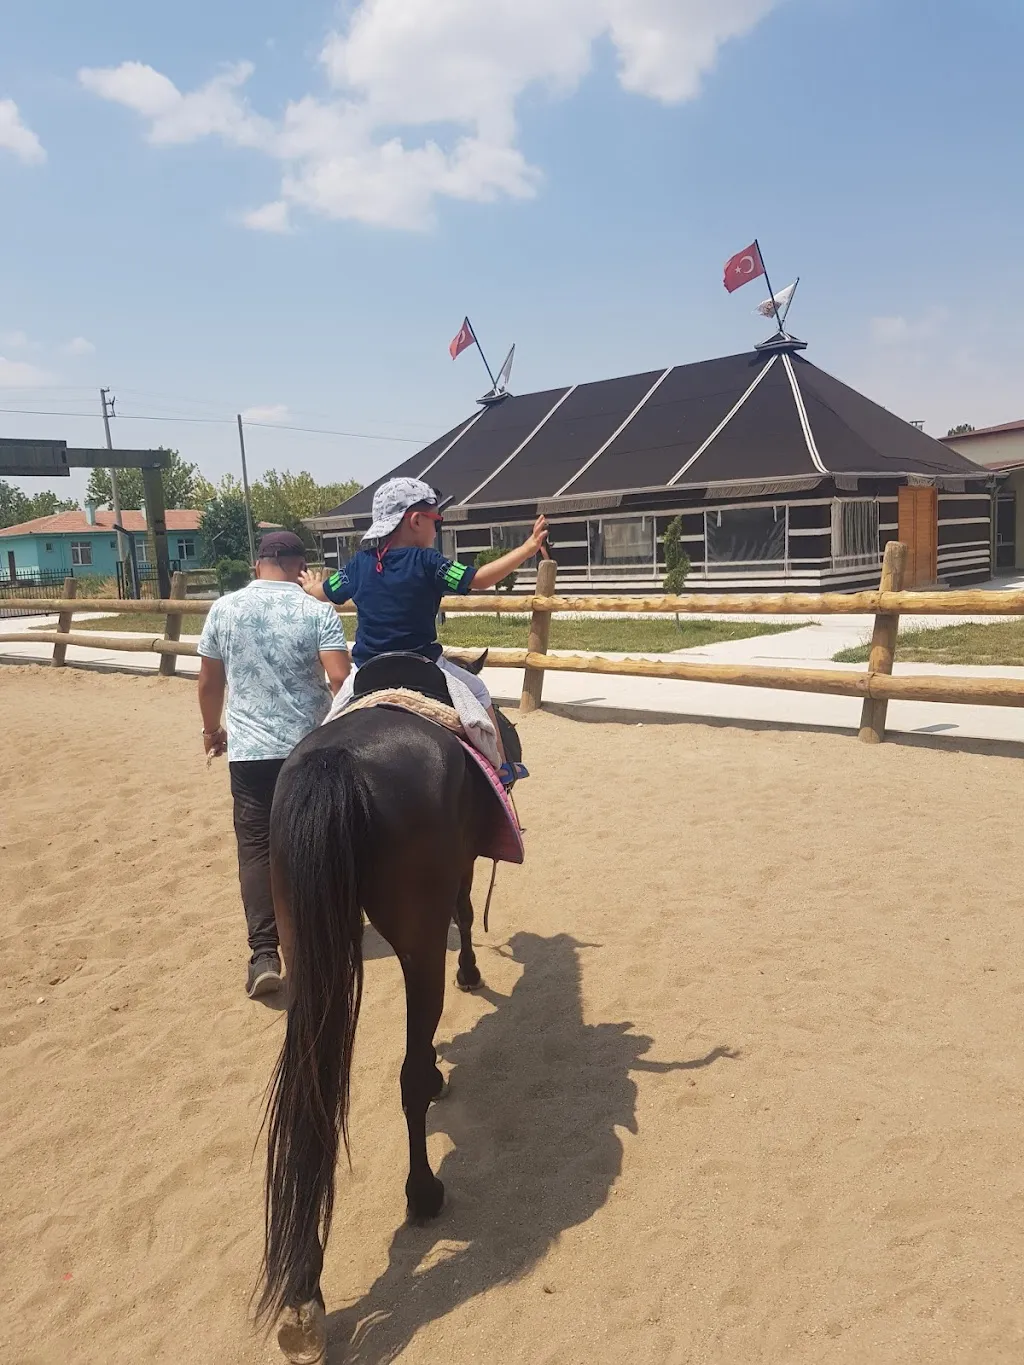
(286, 499)
(204, 490)
(224, 529)
(962, 430)
(677, 561)
(13, 505)
(16, 506)
(47, 504)
(181, 480)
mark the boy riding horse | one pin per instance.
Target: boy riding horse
(398, 578)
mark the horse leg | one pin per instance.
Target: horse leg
(302, 1331)
(468, 977)
(421, 1080)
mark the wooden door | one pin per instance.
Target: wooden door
(919, 531)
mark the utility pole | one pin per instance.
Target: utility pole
(245, 491)
(107, 408)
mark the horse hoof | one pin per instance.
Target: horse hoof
(302, 1334)
(426, 1213)
(468, 986)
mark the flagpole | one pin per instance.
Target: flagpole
(789, 301)
(476, 339)
(771, 291)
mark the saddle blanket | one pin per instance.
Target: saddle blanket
(503, 838)
(473, 717)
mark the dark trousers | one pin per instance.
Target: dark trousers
(252, 786)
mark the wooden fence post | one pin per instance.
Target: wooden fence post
(883, 642)
(540, 631)
(172, 631)
(64, 624)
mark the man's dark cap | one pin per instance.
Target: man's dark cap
(281, 545)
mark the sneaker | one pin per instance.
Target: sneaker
(264, 975)
(510, 773)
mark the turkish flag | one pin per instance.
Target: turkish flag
(463, 338)
(744, 266)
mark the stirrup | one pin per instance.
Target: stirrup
(510, 773)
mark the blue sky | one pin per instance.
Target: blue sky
(288, 208)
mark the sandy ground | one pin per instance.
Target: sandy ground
(746, 1084)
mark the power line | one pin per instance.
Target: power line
(218, 421)
(170, 402)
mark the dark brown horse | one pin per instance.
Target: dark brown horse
(383, 812)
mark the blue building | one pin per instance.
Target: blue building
(80, 544)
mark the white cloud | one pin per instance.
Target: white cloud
(901, 331)
(17, 341)
(79, 346)
(216, 108)
(423, 96)
(17, 137)
(19, 374)
(274, 412)
(273, 217)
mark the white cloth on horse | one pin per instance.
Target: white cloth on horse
(464, 689)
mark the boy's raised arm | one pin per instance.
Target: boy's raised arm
(489, 575)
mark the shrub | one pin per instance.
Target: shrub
(677, 561)
(232, 574)
(508, 583)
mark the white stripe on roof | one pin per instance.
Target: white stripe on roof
(521, 446)
(448, 447)
(812, 446)
(617, 432)
(722, 424)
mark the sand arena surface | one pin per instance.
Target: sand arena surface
(745, 1086)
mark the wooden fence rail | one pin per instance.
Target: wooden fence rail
(969, 602)
(877, 685)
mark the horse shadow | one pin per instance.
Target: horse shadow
(537, 1098)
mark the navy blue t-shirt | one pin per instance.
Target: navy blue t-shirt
(397, 602)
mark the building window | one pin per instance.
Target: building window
(510, 537)
(49, 547)
(621, 543)
(738, 536)
(81, 552)
(855, 531)
(186, 548)
(142, 549)
(338, 550)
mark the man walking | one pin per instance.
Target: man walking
(267, 647)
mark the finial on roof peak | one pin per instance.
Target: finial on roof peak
(780, 342)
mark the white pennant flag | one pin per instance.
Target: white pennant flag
(780, 301)
(505, 373)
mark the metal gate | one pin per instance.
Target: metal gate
(41, 584)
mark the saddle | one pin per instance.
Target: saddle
(407, 671)
(417, 684)
(404, 671)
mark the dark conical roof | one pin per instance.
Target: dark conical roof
(758, 416)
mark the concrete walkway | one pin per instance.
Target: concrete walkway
(647, 700)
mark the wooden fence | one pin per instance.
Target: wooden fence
(876, 685)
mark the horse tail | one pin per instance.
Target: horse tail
(319, 827)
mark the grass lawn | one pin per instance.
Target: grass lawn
(655, 635)
(992, 642)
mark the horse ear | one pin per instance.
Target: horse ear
(477, 664)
